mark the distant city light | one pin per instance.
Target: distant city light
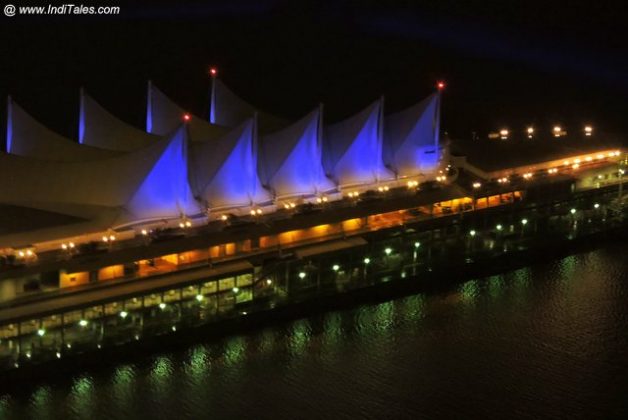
(199, 297)
(41, 332)
(417, 244)
(335, 267)
(440, 85)
(572, 211)
(367, 260)
(477, 185)
(123, 314)
(524, 221)
(302, 275)
(213, 71)
(186, 117)
(596, 205)
(498, 227)
(83, 323)
(162, 306)
(472, 232)
(503, 134)
(530, 131)
(588, 130)
(388, 251)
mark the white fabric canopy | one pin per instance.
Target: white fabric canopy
(147, 184)
(99, 128)
(229, 110)
(163, 116)
(29, 138)
(290, 159)
(411, 138)
(223, 172)
(352, 152)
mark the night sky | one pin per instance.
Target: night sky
(506, 63)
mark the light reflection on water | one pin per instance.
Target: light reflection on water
(544, 341)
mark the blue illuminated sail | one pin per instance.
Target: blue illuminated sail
(352, 152)
(290, 159)
(224, 171)
(411, 138)
(165, 191)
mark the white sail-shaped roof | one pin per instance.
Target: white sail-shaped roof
(163, 116)
(290, 159)
(230, 110)
(223, 173)
(99, 128)
(411, 138)
(27, 137)
(352, 152)
(147, 184)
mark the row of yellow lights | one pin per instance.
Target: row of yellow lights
(551, 171)
(383, 189)
(556, 130)
(412, 184)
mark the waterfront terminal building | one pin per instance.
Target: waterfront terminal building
(132, 232)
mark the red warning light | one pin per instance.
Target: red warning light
(440, 85)
(213, 71)
(186, 117)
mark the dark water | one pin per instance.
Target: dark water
(546, 341)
